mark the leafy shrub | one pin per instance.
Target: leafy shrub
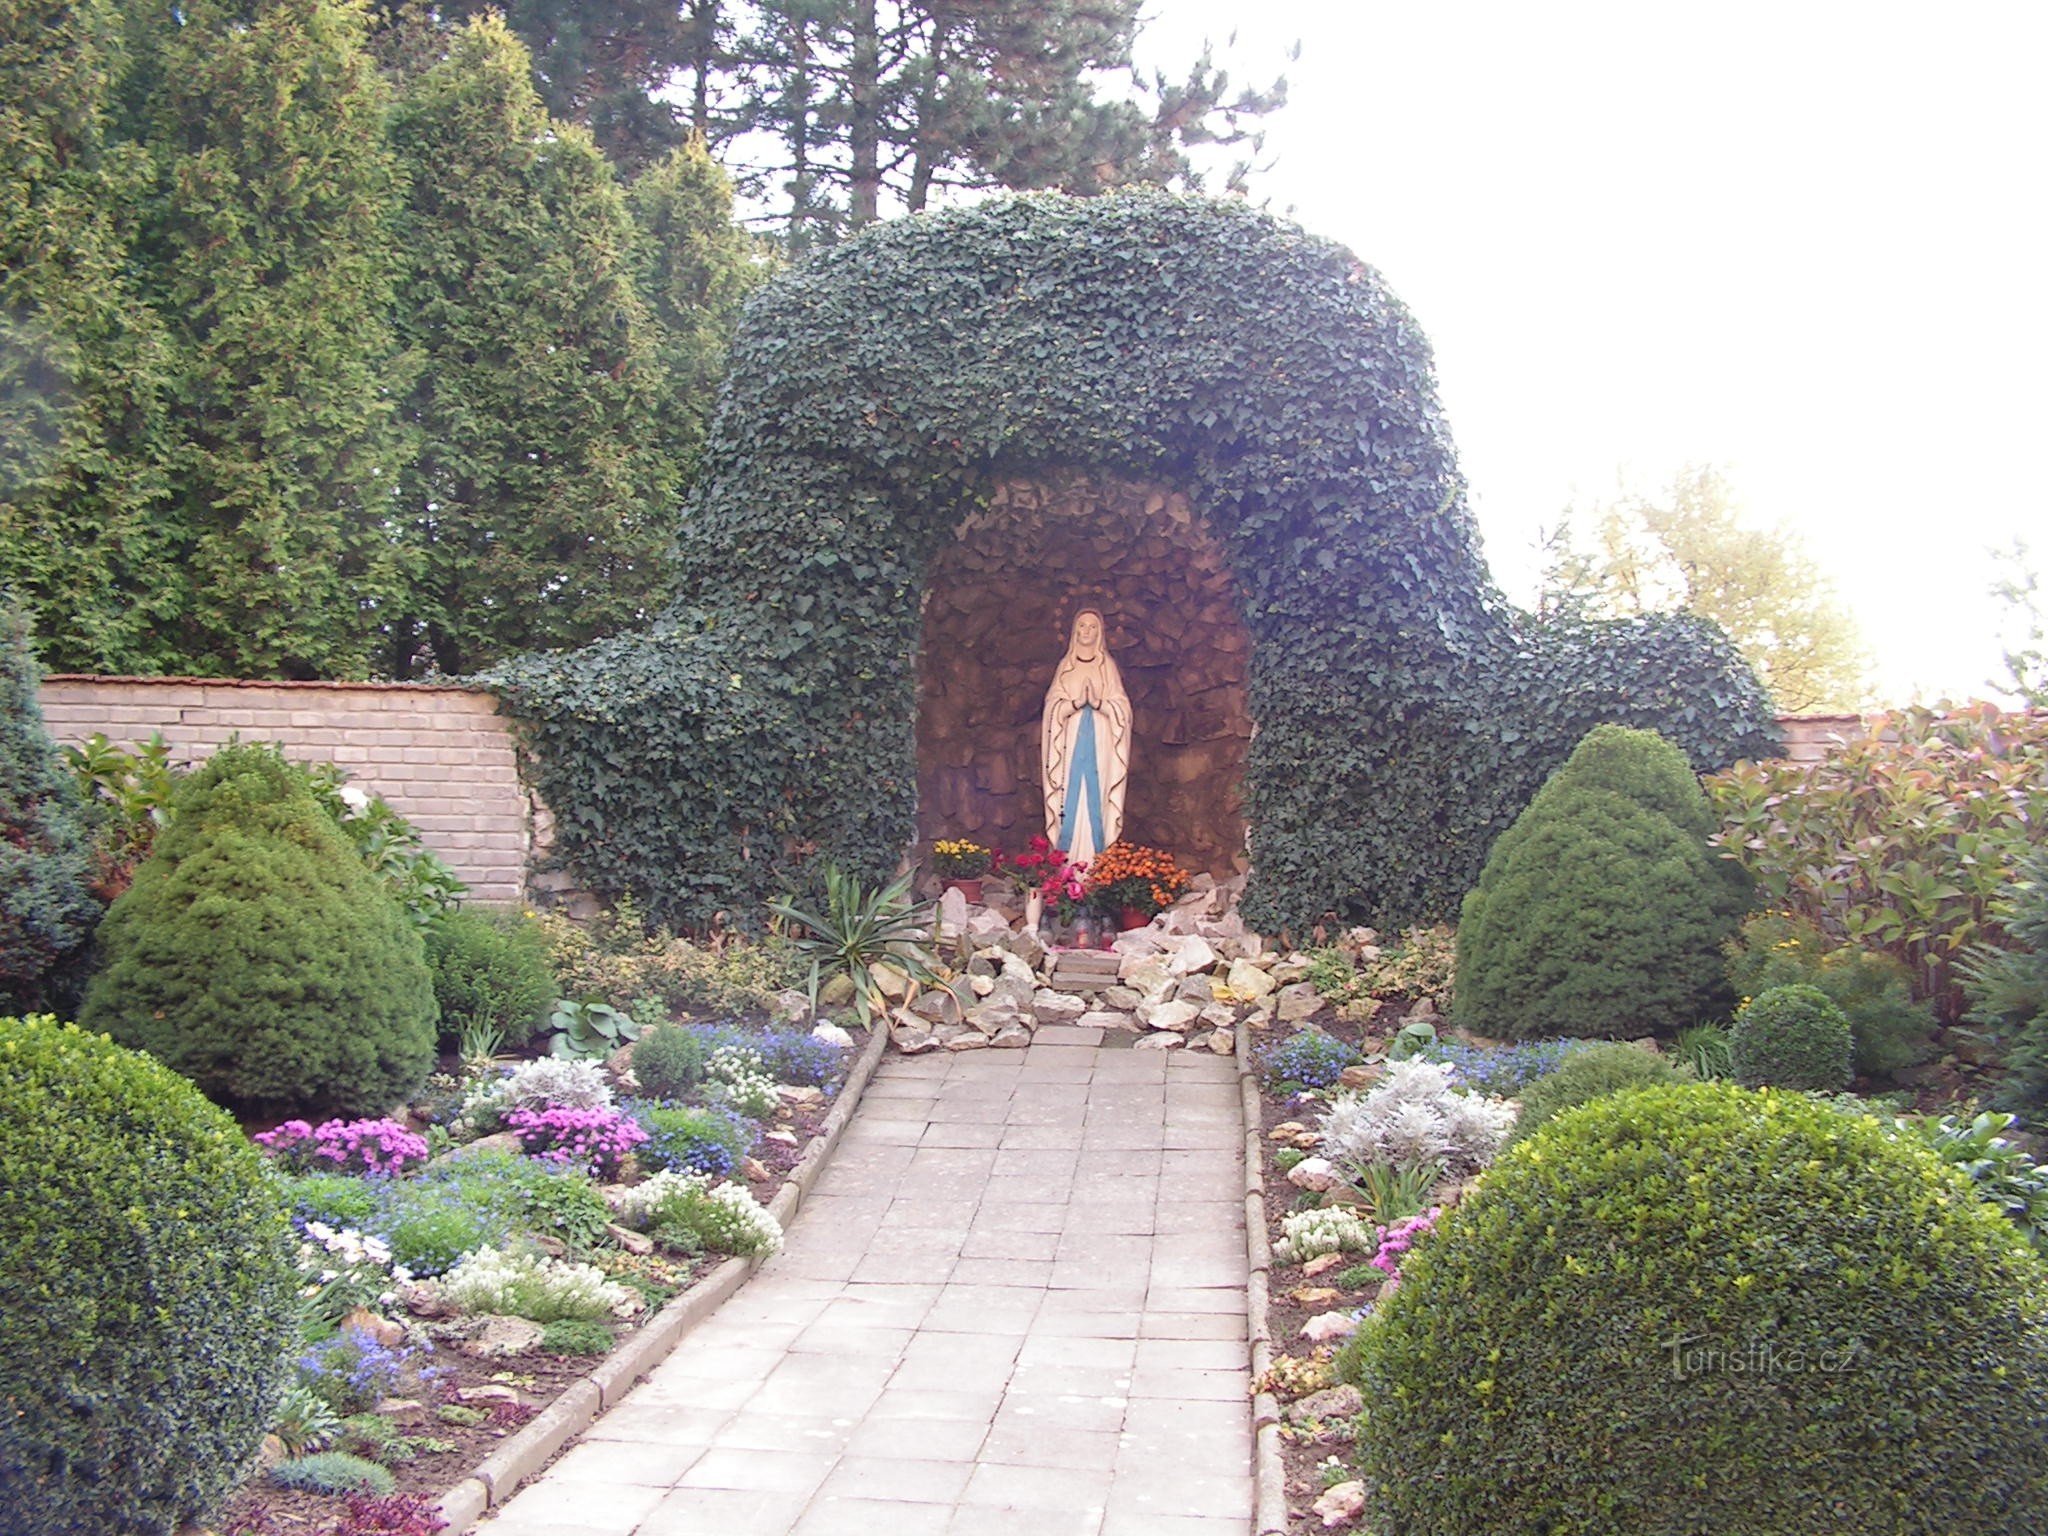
(592, 1140)
(334, 1472)
(47, 908)
(668, 1062)
(347, 1146)
(1589, 1074)
(256, 955)
(1414, 1118)
(490, 974)
(567, 1206)
(617, 957)
(857, 928)
(710, 1140)
(2008, 989)
(1901, 841)
(127, 798)
(1601, 911)
(1502, 1071)
(1874, 990)
(1792, 1037)
(577, 1336)
(1699, 1308)
(391, 848)
(430, 1225)
(1421, 964)
(532, 1286)
(150, 1309)
(1308, 1057)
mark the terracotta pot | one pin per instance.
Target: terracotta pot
(971, 889)
(1131, 917)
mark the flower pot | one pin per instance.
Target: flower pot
(970, 888)
(1131, 917)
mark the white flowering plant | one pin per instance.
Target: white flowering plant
(683, 1210)
(531, 1285)
(341, 1269)
(738, 1075)
(534, 1085)
(1414, 1118)
(1330, 1229)
(635, 1205)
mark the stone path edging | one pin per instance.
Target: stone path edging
(498, 1475)
(1269, 1471)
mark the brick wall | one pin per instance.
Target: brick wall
(1809, 738)
(441, 756)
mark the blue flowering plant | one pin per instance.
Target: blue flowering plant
(353, 1371)
(1308, 1058)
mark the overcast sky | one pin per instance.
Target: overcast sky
(1800, 241)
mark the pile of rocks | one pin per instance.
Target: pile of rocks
(1183, 981)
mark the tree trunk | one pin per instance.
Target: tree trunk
(864, 135)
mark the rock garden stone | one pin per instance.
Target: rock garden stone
(501, 1338)
(1122, 997)
(1195, 989)
(1190, 954)
(1165, 1040)
(953, 911)
(1224, 1042)
(1219, 1016)
(1325, 1326)
(1343, 1402)
(1248, 981)
(1168, 1016)
(1050, 1007)
(1011, 1037)
(1298, 1001)
(1106, 1019)
(1317, 1173)
(1342, 1504)
(911, 1041)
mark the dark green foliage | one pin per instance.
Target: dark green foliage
(577, 1336)
(257, 955)
(873, 394)
(668, 1062)
(1792, 1037)
(149, 1290)
(1874, 990)
(1698, 1308)
(84, 369)
(334, 1472)
(1601, 911)
(1589, 1073)
(538, 502)
(490, 969)
(46, 909)
(266, 247)
(2008, 990)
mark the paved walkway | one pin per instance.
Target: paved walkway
(1014, 1304)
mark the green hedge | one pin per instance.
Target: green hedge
(1405, 711)
(1699, 1309)
(1792, 1037)
(149, 1290)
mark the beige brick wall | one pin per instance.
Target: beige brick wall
(1809, 738)
(441, 756)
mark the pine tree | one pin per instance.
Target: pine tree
(82, 360)
(695, 269)
(268, 245)
(537, 507)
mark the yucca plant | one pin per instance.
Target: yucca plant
(858, 929)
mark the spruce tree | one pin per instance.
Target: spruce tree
(82, 359)
(46, 909)
(268, 245)
(537, 507)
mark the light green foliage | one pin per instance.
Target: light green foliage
(590, 1031)
(1902, 841)
(857, 928)
(338, 1199)
(1421, 964)
(1792, 1037)
(255, 953)
(265, 244)
(577, 1336)
(1702, 1050)
(1999, 1170)
(873, 394)
(530, 1285)
(305, 1421)
(1586, 1075)
(1873, 989)
(2008, 988)
(1685, 549)
(1698, 1308)
(536, 506)
(490, 972)
(84, 366)
(334, 1472)
(149, 1284)
(1601, 911)
(618, 957)
(47, 910)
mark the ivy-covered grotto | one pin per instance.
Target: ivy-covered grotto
(939, 440)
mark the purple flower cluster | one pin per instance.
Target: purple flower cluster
(1400, 1237)
(352, 1371)
(344, 1146)
(592, 1139)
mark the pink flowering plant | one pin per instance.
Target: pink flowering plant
(1396, 1240)
(344, 1146)
(591, 1139)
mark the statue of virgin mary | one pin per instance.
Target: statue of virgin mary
(1085, 736)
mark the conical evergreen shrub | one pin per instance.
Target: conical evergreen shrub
(46, 907)
(1601, 911)
(256, 954)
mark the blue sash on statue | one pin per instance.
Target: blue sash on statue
(1083, 773)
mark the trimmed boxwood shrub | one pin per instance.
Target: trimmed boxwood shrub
(1589, 1073)
(668, 1062)
(1601, 911)
(1873, 989)
(149, 1289)
(258, 956)
(1700, 1308)
(490, 968)
(1792, 1037)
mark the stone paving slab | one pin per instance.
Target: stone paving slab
(1013, 1304)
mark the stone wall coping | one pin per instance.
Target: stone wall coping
(328, 684)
